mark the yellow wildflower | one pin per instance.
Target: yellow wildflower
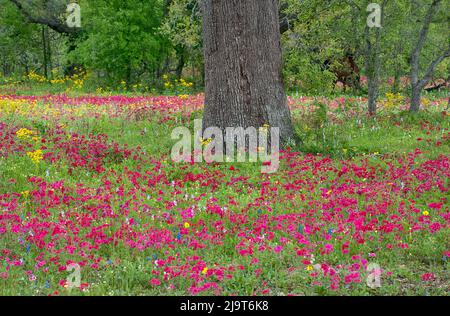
(205, 141)
(36, 156)
(425, 102)
(24, 133)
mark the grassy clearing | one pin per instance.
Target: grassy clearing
(309, 229)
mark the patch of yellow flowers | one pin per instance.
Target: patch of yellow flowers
(393, 100)
(36, 156)
(35, 77)
(36, 108)
(182, 83)
(77, 80)
(24, 133)
(425, 102)
(9, 106)
(17, 106)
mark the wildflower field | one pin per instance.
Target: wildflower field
(88, 180)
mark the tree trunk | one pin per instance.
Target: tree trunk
(397, 77)
(243, 66)
(415, 98)
(44, 52)
(181, 62)
(49, 52)
(373, 97)
(72, 42)
(373, 63)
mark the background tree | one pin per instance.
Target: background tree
(22, 44)
(50, 14)
(123, 42)
(323, 45)
(182, 25)
(373, 58)
(46, 12)
(323, 42)
(441, 48)
(15, 35)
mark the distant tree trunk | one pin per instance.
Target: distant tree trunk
(398, 67)
(373, 63)
(128, 75)
(418, 84)
(243, 66)
(72, 68)
(49, 52)
(5, 68)
(181, 56)
(397, 77)
(27, 67)
(44, 52)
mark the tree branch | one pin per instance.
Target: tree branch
(433, 66)
(51, 22)
(421, 41)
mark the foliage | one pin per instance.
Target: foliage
(123, 42)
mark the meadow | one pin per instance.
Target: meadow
(87, 179)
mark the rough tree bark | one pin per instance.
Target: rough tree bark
(417, 83)
(243, 66)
